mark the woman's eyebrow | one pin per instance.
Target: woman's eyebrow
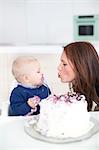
(62, 60)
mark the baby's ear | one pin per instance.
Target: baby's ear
(25, 78)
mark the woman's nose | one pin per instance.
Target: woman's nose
(59, 67)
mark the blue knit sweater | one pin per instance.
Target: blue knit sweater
(19, 96)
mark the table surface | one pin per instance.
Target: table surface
(13, 137)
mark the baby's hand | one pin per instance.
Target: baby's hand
(34, 101)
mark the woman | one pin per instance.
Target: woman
(80, 67)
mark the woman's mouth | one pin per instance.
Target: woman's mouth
(58, 75)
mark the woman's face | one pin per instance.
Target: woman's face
(65, 69)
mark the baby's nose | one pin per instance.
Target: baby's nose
(42, 74)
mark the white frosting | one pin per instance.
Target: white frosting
(61, 118)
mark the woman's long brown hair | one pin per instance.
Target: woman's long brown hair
(85, 60)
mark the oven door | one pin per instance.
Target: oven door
(84, 31)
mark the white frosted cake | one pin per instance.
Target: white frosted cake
(64, 116)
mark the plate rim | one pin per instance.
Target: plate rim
(37, 135)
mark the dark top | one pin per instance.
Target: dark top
(19, 96)
(97, 89)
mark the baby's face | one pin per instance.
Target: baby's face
(35, 76)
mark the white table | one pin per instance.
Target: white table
(13, 137)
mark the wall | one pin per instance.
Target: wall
(85, 7)
(26, 22)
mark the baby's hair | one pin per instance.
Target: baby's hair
(19, 64)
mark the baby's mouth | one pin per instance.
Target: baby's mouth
(42, 79)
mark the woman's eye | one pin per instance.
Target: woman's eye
(64, 64)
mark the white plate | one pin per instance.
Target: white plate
(30, 130)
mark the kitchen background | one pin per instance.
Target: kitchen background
(39, 28)
(26, 22)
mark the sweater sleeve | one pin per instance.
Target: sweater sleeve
(18, 104)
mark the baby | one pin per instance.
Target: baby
(25, 98)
